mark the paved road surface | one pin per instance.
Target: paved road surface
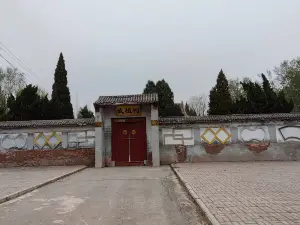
(16, 179)
(257, 193)
(128, 195)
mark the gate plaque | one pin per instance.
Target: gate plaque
(128, 110)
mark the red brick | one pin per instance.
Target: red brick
(57, 157)
(258, 147)
(181, 153)
(213, 149)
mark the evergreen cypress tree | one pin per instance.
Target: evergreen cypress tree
(27, 105)
(166, 106)
(84, 112)
(220, 101)
(261, 98)
(165, 97)
(150, 87)
(270, 95)
(61, 100)
(187, 109)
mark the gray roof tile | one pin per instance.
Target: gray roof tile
(127, 99)
(162, 121)
(47, 123)
(230, 118)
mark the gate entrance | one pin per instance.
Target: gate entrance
(129, 142)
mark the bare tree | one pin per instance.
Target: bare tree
(199, 104)
(235, 88)
(11, 81)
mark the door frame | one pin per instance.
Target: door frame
(128, 120)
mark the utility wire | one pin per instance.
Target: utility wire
(18, 60)
(13, 66)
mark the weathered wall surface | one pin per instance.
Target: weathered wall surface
(234, 141)
(44, 146)
(181, 139)
(58, 157)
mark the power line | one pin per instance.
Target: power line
(18, 60)
(12, 66)
(7, 61)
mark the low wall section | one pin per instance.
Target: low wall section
(230, 138)
(182, 139)
(47, 143)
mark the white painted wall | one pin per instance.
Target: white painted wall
(81, 137)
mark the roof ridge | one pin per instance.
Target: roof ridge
(207, 119)
(127, 99)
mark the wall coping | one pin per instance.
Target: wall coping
(47, 123)
(230, 118)
(162, 121)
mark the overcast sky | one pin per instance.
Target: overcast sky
(113, 47)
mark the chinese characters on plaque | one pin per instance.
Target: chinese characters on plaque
(128, 110)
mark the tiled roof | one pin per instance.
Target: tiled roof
(47, 123)
(230, 118)
(127, 99)
(162, 121)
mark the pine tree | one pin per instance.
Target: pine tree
(27, 105)
(61, 100)
(150, 87)
(85, 113)
(166, 106)
(220, 101)
(166, 98)
(189, 111)
(261, 98)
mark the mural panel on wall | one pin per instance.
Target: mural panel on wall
(178, 136)
(83, 139)
(47, 140)
(253, 134)
(288, 133)
(214, 139)
(14, 141)
(257, 138)
(215, 135)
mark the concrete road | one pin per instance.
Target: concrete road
(128, 195)
(17, 179)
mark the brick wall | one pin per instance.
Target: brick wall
(57, 157)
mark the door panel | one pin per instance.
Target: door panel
(120, 145)
(129, 141)
(138, 148)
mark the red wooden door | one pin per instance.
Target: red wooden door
(129, 144)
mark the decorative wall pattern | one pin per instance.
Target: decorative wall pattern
(253, 134)
(47, 140)
(178, 136)
(215, 135)
(288, 133)
(13, 141)
(83, 139)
